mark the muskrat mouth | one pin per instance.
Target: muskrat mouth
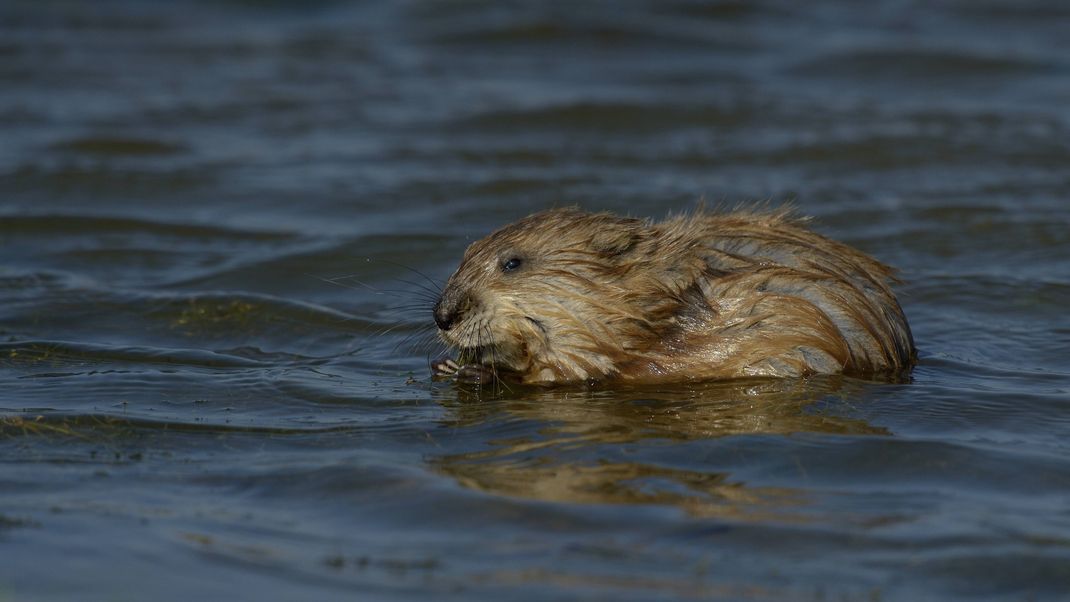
(498, 353)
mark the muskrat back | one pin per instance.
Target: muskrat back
(566, 295)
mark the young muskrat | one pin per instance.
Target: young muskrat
(567, 296)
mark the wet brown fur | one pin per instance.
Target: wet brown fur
(694, 297)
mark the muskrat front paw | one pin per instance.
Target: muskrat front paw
(471, 374)
(444, 367)
(475, 374)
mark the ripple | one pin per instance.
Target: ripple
(107, 425)
(1037, 572)
(926, 64)
(612, 116)
(105, 146)
(207, 319)
(66, 179)
(37, 353)
(129, 251)
(95, 226)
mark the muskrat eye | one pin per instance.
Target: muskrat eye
(511, 264)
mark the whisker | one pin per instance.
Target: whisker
(421, 288)
(427, 342)
(409, 307)
(388, 329)
(419, 336)
(432, 291)
(336, 279)
(422, 292)
(493, 359)
(424, 295)
(498, 381)
(418, 300)
(434, 285)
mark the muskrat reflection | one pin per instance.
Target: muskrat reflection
(580, 446)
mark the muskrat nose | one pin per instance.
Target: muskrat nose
(443, 316)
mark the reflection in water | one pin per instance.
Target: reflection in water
(577, 445)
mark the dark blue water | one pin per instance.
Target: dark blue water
(213, 376)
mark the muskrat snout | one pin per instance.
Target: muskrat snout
(451, 307)
(444, 315)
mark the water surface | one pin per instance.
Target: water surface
(213, 368)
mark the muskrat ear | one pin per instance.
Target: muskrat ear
(614, 241)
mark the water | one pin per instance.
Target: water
(190, 409)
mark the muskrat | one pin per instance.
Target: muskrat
(568, 296)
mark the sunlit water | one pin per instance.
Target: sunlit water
(213, 368)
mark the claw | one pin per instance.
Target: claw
(444, 366)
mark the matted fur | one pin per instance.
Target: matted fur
(694, 297)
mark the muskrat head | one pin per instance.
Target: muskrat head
(544, 297)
